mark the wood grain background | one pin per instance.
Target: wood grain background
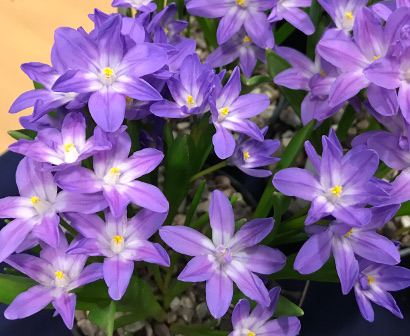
(26, 35)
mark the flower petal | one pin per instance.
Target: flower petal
(219, 292)
(117, 274)
(250, 234)
(199, 268)
(221, 218)
(65, 306)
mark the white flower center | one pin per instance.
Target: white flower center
(107, 76)
(117, 244)
(70, 153)
(40, 205)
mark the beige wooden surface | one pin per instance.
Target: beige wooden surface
(26, 35)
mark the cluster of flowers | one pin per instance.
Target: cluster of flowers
(126, 68)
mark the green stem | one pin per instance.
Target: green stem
(170, 270)
(209, 170)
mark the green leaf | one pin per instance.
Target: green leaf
(315, 14)
(208, 27)
(286, 308)
(104, 316)
(283, 33)
(38, 86)
(276, 65)
(194, 204)
(326, 274)
(348, 117)
(281, 204)
(250, 84)
(404, 210)
(289, 156)
(197, 330)
(23, 134)
(125, 320)
(177, 173)
(12, 285)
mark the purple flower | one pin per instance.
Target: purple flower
(63, 148)
(239, 46)
(230, 112)
(229, 257)
(46, 100)
(120, 241)
(190, 90)
(256, 323)
(252, 154)
(37, 207)
(343, 186)
(115, 173)
(374, 283)
(105, 70)
(343, 12)
(370, 43)
(344, 242)
(235, 14)
(57, 273)
(385, 8)
(139, 5)
(289, 10)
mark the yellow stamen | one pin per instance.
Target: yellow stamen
(349, 233)
(190, 100)
(370, 279)
(115, 170)
(349, 16)
(246, 156)
(68, 147)
(240, 2)
(118, 239)
(337, 190)
(225, 111)
(250, 333)
(128, 99)
(108, 72)
(323, 73)
(166, 31)
(59, 275)
(376, 58)
(247, 39)
(34, 199)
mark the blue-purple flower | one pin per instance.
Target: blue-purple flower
(120, 241)
(229, 257)
(345, 242)
(343, 186)
(139, 5)
(373, 285)
(234, 14)
(57, 273)
(115, 173)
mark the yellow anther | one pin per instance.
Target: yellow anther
(166, 31)
(128, 100)
(323, 73)
(68, 147)
(118, 239)
(247, 39)
(59, 275)
(337, 190)
(240, 2)
(108, 72)
(250, 333)
(225, 111)
(370, 279)
(349, 233)
(246, 156)
(349, 16)
(115, 170)
(34, 199)
(376, 58)
(190, 100)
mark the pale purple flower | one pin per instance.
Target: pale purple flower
(229, 257)
(230, 112)
(190, 90)
(66, 147)
(104, 69)
(290, 11)
(385, 8)
(237, 13)
(343, 186)
(36, 210)
(115, 173)
(139, 5)
(373, 285)
(343, 12)
(120, 241)
(57, 273)
(239, 46)
(345, 242)
(256, 322)
(251, 154)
